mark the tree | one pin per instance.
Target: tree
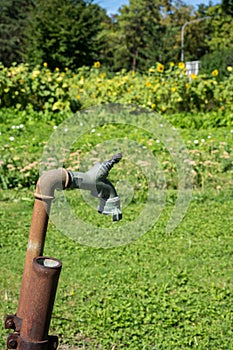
(221, 37)
(227, 7)
(109, 39)
(63, 33)
(139, 29)
(13, 16)
(173, 18)
(146, 32)
(219, 60)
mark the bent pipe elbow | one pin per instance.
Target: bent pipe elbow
(56, 179)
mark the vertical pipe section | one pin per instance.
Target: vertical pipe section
(38, 309)
(44, 194)
(35, 247)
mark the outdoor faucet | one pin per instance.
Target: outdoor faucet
(40, 276)
(95, 180)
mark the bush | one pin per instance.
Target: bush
(221, 59)
(163, 90)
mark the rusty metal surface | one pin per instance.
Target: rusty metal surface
(9, 322)
(43, 286)
(50, 181)
(35, 248)
(12, 340)
(15, 341)
(24, 345)
(39, 281)
(13, 322)
(46, 185)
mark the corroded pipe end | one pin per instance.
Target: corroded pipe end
(38, 310)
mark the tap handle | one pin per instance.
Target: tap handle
(108, 164)
(116, 158)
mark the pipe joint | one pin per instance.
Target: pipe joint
(50, 181)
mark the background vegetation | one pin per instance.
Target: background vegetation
(69, 34)
(162, 89)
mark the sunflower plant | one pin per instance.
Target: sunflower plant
(165, 89)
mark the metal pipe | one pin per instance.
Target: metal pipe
(44, 194)
(40, 275)
(182, 33)
(38, 309)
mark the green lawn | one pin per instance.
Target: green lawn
(163, 291)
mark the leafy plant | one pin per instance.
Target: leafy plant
(223, 59)
(165, 90)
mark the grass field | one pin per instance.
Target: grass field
(162, 291)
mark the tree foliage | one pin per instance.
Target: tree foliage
(73, 33)
(141, 29)
(13, 17)
(222, 59)
(221, 37)
(63, 33)
(227, 7)
(149, 31)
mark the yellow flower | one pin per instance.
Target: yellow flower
(230, 68)
(173, 89)
(160, 68)
(171, 64)
(163, 108)
(193, 76)
(57, 69)
(45, 64)
(181, 65)
(153, 105)
(151, 70)
(82, 80)
(215, 72)
(35, 74)
(148, 83)
(97, 65)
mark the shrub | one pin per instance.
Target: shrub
(163, 90)
(220, 59)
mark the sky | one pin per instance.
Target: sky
(113, 5)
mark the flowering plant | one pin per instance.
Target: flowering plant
(165, 90)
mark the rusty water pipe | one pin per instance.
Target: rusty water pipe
(29, 332)
(43, 286)
(34, 328)
(95, 180)
(44, 194)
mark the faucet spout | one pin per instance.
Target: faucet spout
(95, 180)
